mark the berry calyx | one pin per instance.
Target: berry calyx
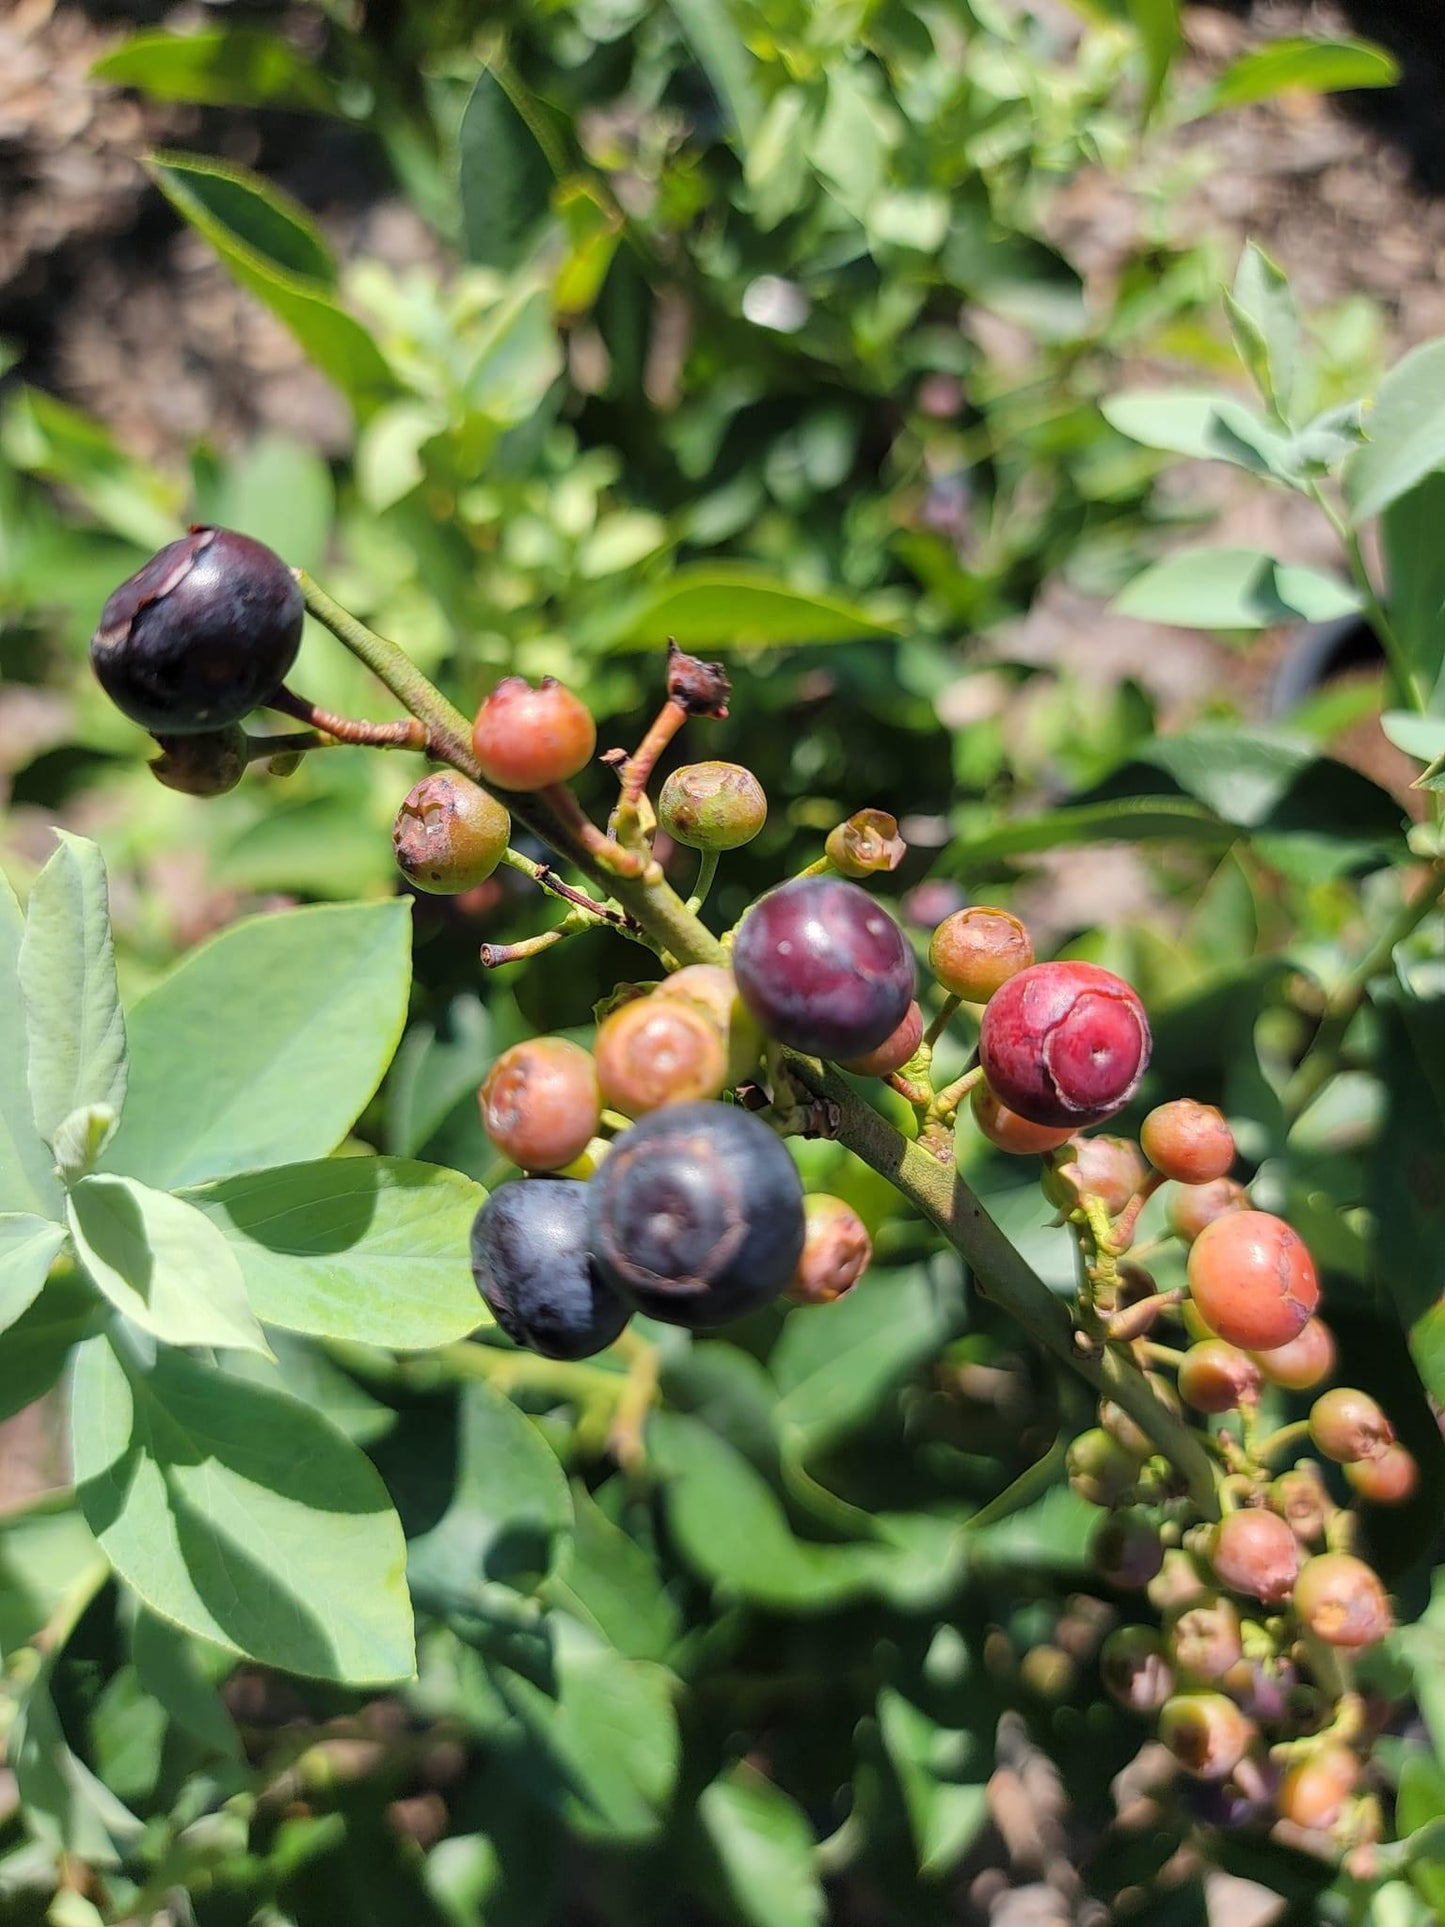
(1187, 1141)
(541, 1104)
(1341, 1600)
(895, 1050)
(1346, 1425)
(1007, 1130)
(868, 844)
(206, 632)
(974, 952)
(1216, 1377)
(531, 1265)
(1064, 1043)
(1387, 1480)
(836, 1252)
(449, 835)
(1255, 1552)
(697, 1214)
(1252, 1280)
(1194, 1207)
(1206, 1733)
(1304, 1362)
(1134, 1670)
(529, 739)
(823, 968)
(656, 1051)
(208, 763)
(712, 806)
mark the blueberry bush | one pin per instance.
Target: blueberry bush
(641, 1354)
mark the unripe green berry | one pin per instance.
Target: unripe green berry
(1128, 1431)
(449, 835)
(1300, 1498)
(712, 806)
(1100, 1470)
(1216, 1377)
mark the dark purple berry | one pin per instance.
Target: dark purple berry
(206, 632)
(697, 1214)
(532, 1266)
(823, 968)
(206, 764)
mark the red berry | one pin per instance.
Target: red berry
(1193, 1207)
(1254, 1552)
(1346, 1425)
(528, 739)
(1387, 1480)
(540, 1103)
(1313, 1792)
(974, 952)
(895, 1050)
(1206, 1733)
(1204, 1640)
(1009, 1131)
(1187, 1141)
(1215, 1377)
(1252, 1280)
(656, 1051)
(836, 1251)
(712, 806)
(1134, 1669)
(1064, 1043)
(449, 835)
(1299, 1497)
(1304, 1361)
(1341, 1601)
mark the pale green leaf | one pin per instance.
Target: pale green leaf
(1266, 326)
(67, 976)
(223, 67)
(1203, 426)
(1160, 34)
(726, 60)
(1233, 589)
(764, 1849)
(238, 1514)
(27, 1170)
(1316, 66)
(28, 1248)
(1405, 431)
(611, 1583)
(66, 1806)
(730, 606)
(162, 1263)
(374, 1250)
(170, 1666)
(81, 1138)
(324, 992)
(1419, 736)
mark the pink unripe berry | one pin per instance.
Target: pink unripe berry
(1187, 1141)
(1252, 1280)
(1347, 1424)
(1254, 1552)
(1342, 1602)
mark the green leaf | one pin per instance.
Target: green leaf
(730, 606)
(1129, 819)
(438, 1065)
(1233, 589)
(1406, 430)
(1415, 560)
(47, 1556)
(242, 1516)
(506, 180)
(27, 1170)
(724, 57)
(1266, 326)
(67, 976)
(272, 251)
(373, 1250)
(46, 437)
(1406, 1197)
(611, 1584)
(162, 1263)
(39, 1343)
(170, 1667)
(325, 996)
(66, 1807)
(943, 1775)
(764, 1850)
(279, 491)
(225, 67)
(1318, 66)
(1202, 426)
(1160, 36)
(28, 1247)
(1418, 736)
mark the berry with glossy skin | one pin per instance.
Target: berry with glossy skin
(1215, 1377)
(974, 952)
(656, 1051)
(206, 764)
(1299, 1497)
(1187, 1141)
(895, 1050)
(1134, 1669)
(1304, 1362)
(541, 1104)
(1254, 1552)
(836, 1252)
(1126, 1550)
(868, 844)
(1007, 1130)
(1342, 1602)
(1099, 1468)
(1204, 1640)
(1347, 1424)
(1252, 1280)
(712, 806)
(823, 968)
(531, 1265)
(528, 739)
(697, 1214)
(1387, 1480)
(1206, 1733)
(713, 989)
(1064, 1043)
(449, 835)
(1193, 1207)
(1313, 1791)
(206, 632)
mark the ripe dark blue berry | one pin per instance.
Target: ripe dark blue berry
(206, 632)
(531, 1264)
(697, 1214)
(823, 968)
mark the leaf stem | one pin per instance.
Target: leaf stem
(1396, 654)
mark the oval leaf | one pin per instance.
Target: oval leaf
(1318, 66)
(506, 182)
(723, 606)
(237, 1513)
(225, 67)
(763, 1844)
(28, 1247)
(325, 996)
(162, 1263)
(27, 1170)
(368, 1249)
(1233, 589)
(1405, 433)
